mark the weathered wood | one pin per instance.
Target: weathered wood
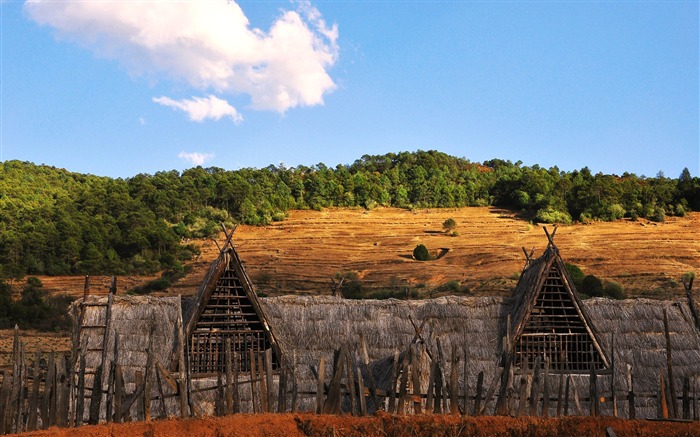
(522, 402)
(403, 385)
(593, 388)
(46, 411)
(609, 432)
(147, 380)
(349, 366)
(535, 388)
(253, 389)
(507, 362)
(21, 384)
(630, 394)
(161, 395)
(431, 387)
(577, 402)
(392, 387)
(319, 386)
(34, 394)
(479, 390)
(5, 390)
(332, 404)
(465, 371)
(80, 396)
(686, 398)
(229, 376)
(491, 391)
(61, 393)
(443, 381)
(118, 393)
(663, 405)
(361, 389)
(181, 364)
(236, 394)
(545, 389)
(560, 394)
(566, 395)
(688, 285)
(219, 401)
(669, 367)
(612, 375)
(138, 397)
(439, 393)
(454, 381)
(370, 382)
(415, 379)
(269, 382)
(264, 405)
(295, 388)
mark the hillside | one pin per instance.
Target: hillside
(300, 254)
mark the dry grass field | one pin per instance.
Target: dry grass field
(300, 254)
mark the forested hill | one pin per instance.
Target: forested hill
(56, 222)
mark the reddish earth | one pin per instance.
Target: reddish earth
(381, 425)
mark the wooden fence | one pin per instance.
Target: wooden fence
(46, 390)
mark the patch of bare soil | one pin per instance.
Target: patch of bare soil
(381, 425)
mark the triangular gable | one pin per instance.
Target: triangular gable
(227, 307)
(549, 320)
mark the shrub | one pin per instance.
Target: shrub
(576, 274)
(614, 290)
(592, 286)
(449, 224)
(551, 215)
(421, 253)
(659, 215)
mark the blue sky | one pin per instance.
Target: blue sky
(121, 88)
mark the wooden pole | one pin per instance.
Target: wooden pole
(182, 364)
(253, 394)
(5, 428)
(465, 411)
(479, 393)
(229, 376)
(566, 395)
(403, 385)
(46, 413)
(630, 394)
(454, 381)
(319, 386)
(269, 381)
(593, 388)
(282, 395)
(236, 395)
(612, 376)
(415, 360)
(431, 387)
(492, 389)
(361, 387)
(392, 387)
(34, 394)
(523, 389)
(545, 390)
(118, 393)
(350, 368)
(535, 388)
(80, 396)
(371, 382)
(662, 396)
(669, 366)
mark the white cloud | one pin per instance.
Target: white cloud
(200, 108)
(195, 158)
(208, 44)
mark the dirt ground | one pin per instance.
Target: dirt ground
(381, 425)
(300, 254)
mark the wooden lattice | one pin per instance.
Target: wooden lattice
(229, 313)
(556, 331)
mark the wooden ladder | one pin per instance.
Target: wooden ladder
(85, 331)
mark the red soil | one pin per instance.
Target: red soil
(382, 425)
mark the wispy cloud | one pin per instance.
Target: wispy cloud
(208, 44)
(195, 158)
(201, 108)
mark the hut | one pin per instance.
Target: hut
(544, 321)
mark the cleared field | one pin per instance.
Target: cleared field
(300, 254)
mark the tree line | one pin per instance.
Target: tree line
(57, 222)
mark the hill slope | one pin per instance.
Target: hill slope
(300, 254)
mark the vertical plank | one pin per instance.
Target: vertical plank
(34, 394)
(263, 384)
(236, 397)
(566, 395)
(630, 394)
(403, 385)
(182, 364)
(437, 402)
(253, 388)
(332, 404)
(523, 389)
(361, 390)
(560, 393)
(5, 391)
(371, 382)
(118, 393)
(415, 380)
(392, 387)
(349, 365)
(147, 383)
(270, 381)
(229, 376)
(663, 405)
(80, 395)
(61, 392)
(491, 391)
(431, 387)
(577, 403)
(612, 376)
(282, 395)
(46, 414)
(593, 388)
(22, 366)
(669, 366)
(319, 386)
(220, 398)
(141, 400)
(479, 390)
(535, 388)
(295, 388)
(545, 389)
(465, 411)
(686, 398)
(161, 395)
(454, 381)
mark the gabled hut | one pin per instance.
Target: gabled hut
(549, 321)
(227, 308)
